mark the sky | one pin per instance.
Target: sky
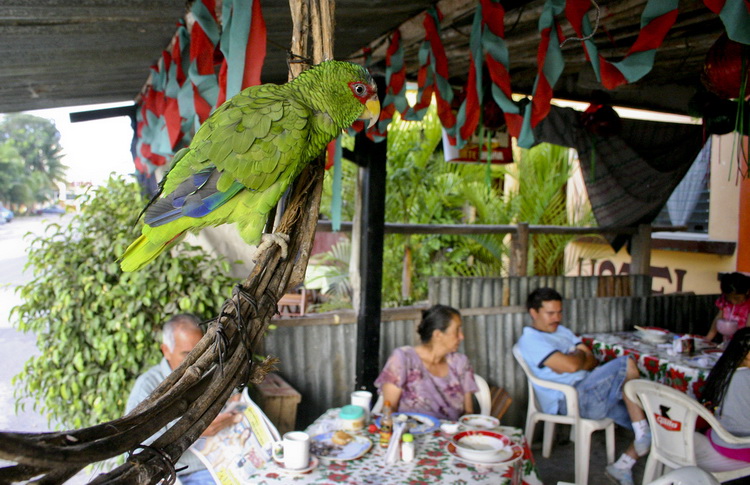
(92, 149)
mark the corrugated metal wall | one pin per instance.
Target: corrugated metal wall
(319, 360)
(487, 292)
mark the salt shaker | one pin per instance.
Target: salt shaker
(407, 447)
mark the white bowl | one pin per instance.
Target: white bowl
(481, 445)
(654, 335)
(479, 421)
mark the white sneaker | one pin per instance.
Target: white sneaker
(621, 476)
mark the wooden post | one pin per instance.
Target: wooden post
(372, 156)
(640, 251)
(519, 250)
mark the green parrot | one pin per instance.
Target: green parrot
(248, 151)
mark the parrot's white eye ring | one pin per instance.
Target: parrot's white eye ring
(360, 89)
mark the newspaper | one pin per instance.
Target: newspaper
(237, 452)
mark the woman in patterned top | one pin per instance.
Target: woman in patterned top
(431, 378)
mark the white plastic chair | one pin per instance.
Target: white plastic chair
(582, 428)
(673, 437)
(483, 397)
(689, 475)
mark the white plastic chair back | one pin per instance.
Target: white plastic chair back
(689, 475)
(672, 415)
(483, 397)
(582, 428)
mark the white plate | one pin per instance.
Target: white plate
(479, 421)
(517, 452)
(322, 447)
(314, 462)
(422, 423)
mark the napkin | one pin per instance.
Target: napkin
(394, 446)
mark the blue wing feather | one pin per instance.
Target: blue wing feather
(196, 196)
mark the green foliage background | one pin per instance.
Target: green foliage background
(97, 326)
(30, 159)
(423, 189)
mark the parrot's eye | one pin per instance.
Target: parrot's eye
(360, 90)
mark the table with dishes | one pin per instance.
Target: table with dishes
(657, 359)
(363, 461)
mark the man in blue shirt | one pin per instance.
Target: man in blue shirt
(554, 353)
(179, 335)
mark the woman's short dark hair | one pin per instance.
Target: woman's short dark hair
(437, 317)
(721, 375)
(537, 298)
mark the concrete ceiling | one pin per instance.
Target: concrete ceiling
(58, 53)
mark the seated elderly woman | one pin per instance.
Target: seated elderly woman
(431, 378)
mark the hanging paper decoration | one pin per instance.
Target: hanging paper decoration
(487, 44)
(395, 78)
(433, 75)
(156, 144)
(657, 18)
(180, 49)
(243, 43)
(171, 113)
(736, 17)
(204, 36)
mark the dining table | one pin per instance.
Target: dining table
(433, 463)
(658, 362)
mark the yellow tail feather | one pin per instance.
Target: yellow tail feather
(140, 253)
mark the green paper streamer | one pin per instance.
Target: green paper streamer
(336, 198)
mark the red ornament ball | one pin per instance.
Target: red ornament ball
(725, 68)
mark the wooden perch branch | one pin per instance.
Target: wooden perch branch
(197, 390)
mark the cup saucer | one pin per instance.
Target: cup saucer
(312, 465)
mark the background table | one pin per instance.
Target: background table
(681, 371)
(432, 464)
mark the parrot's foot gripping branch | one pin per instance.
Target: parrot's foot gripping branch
(279, 238)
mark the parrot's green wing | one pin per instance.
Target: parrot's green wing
(247, 144)
(254, 137)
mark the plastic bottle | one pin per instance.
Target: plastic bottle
(386, 425)
(407, 447)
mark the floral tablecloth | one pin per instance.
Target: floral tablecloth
(656, 362)
(433, 464)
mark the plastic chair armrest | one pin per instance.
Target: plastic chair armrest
(570, 392)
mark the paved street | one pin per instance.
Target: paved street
(16, 347)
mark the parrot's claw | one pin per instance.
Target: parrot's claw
(279, 238)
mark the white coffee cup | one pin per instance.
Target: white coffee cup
(363, 400)
(295, 448)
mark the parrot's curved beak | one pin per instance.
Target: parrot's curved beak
(372, 111)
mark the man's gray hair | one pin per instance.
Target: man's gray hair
(182, 321)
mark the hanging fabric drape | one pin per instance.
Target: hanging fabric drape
(243, 43)
(204, 36)
(184, 86)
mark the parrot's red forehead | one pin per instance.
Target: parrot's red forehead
(362, 91)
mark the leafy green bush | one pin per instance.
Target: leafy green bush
(97, 326)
